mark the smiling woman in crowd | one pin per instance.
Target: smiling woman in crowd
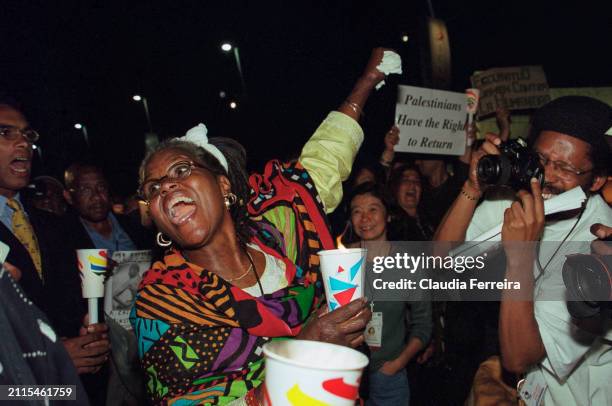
(241, 267)
(392, 344)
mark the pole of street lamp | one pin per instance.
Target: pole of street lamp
(146, 109)
(85, 135)
(239, 66)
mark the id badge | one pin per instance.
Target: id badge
(373, 331)
(532, 388)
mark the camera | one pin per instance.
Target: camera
(514, 167)
(588, 279)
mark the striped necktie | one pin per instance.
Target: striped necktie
(25, 234)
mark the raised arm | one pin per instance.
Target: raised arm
(329, 154)
(391, 140)
(457, 219)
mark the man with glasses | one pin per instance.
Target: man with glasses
(566, 361)
(91, 221)
(16, 140)
(41, 254)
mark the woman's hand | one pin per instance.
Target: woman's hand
(371, 74)
(391, 367)
(343, 326)
(427, 353)
(391, 138)
(354, 104)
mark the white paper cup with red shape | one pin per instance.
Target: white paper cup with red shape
(300, 372)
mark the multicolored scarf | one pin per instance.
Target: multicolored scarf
(200, 338)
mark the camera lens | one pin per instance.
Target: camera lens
(588, 279)
(488, 169)
(494, 170)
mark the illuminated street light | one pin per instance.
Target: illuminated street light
(233, 105)
(136, 97)
(405, 38)
(78, 126)
(226, 47)
(34, 146)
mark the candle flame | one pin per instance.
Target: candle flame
(339, 242)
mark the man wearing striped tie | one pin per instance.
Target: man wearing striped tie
(39, 254)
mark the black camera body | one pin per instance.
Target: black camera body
(514, 167)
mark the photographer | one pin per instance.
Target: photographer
(540, 339)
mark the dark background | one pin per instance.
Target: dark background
(81, 61)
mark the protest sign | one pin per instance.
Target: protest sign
(430, 121)
(122, 286)
(517, 88)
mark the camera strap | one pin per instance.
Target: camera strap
(539, 265)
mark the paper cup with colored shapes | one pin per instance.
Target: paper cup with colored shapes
(473, 96)
(92, 267)
(343, 273)
(311, 373)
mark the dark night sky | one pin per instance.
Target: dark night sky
(78, 60)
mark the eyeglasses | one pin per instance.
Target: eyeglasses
(11, 133)
(563, 167)
(149, 190)
(88, 191)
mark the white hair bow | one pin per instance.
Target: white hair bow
(197, 135)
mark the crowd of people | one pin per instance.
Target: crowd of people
(237, 266)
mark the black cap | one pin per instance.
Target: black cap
(581, 117)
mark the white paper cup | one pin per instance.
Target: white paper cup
(300, 372)
(92, 267)
(343, 273)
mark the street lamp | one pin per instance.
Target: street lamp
(227, 47)
(233, 105)
(83, 128)
(138, 98)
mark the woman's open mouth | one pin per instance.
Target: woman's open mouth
(180, 209)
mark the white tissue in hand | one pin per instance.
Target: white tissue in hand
(391, 63)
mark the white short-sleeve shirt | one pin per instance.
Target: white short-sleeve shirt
(578, 366)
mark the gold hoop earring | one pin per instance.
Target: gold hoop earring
(230, 199)
(163, 242)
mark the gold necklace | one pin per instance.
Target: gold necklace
(246, 272)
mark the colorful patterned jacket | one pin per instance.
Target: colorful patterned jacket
(200, 338)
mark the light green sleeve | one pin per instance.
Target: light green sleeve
(329, 154)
